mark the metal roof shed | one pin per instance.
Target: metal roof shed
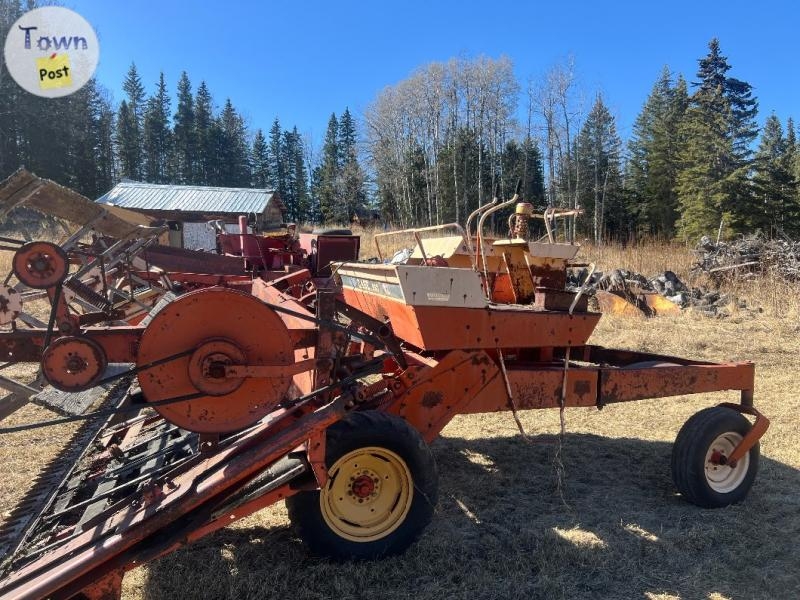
(189, 208)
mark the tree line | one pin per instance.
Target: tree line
(86, 142)
(435, 146)
(442, 140)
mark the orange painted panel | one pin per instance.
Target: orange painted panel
(455, 328)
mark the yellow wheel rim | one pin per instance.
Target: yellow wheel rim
(368, 495)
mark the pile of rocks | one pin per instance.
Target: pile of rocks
(667, 284)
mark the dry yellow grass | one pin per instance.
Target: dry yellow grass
(501, 531)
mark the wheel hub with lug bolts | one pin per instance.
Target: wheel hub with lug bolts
(75, 364)
(718, 458)
(364, 486)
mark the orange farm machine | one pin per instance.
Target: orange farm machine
(235, 395)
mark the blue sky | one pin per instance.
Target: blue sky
(302, 60)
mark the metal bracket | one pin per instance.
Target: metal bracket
(383, 331)
(316, 457)
(751, 439)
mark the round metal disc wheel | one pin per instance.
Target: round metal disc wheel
(381, 492)
(73, 364)
(700, 468)
(218, 327)
(40, 265)
(370, 494)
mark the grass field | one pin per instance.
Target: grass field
(502, 531)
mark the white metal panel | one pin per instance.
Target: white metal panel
(556, 250)
(441, 286)
(199, 236)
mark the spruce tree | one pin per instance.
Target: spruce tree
(276, 170)
(290, 184)
(792, 165)
(158, 136)
(302, 199)
(204, 135)
(185, 134)
(351, 177)
(131, 142)
(600, 182)
(713, 184)
(523, 162)
(134, 88)
(103, 115)
(653, 158)
(125, 139)
(234, 160)
(702, 183)
(79, 161)
(326, 177)
(533, 173)
(11, 103)
(776, 188)
(259, 159)
(346, 139)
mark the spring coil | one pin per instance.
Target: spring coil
(87, 294)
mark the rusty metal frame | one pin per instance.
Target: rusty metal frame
(437, 361)
(415, 232)
(432, 391)
(190, 495)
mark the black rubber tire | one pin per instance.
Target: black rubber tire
(360, 430)
(689, 456)
(332, 232)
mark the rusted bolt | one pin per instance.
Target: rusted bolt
(216, 370)
(75, 364)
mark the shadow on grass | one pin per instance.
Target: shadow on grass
(501, 531)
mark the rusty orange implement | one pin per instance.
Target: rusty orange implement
(245, 392)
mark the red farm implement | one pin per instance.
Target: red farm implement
(237, 395)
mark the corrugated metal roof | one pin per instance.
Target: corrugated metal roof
(188, 198)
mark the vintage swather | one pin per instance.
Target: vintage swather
(242, 396)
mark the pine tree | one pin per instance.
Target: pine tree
(302, 199)
(158, 136)
(185, 134)
(277, 176)
(125, 140)
(719, 126)
(523, 162)
(204, 135)
(653, 157)
(326, 175)
(600, 184)
(350, 178)
(234, 159)
(130, 137)
(288, 192)
(792, 165)
(259, 158)
(774, 181)
(346, 139)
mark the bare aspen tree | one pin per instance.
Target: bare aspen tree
(556, 100)
(442, 110)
